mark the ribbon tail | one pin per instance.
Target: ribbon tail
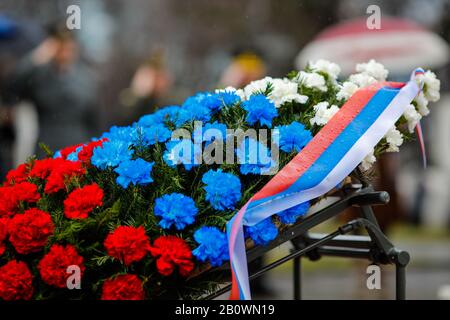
(419, 133)
(240, 286)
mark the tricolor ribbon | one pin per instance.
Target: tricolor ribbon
(336, 150)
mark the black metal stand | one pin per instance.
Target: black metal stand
(375, 247)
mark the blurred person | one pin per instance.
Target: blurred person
(149, 84)
(6, 141)
(246, 66)
(60, 87)
(18, 126)
(8, 31)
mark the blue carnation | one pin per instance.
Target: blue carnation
(223, 190)
(263, 232)
(293, 136)
(213, 246)
(127, 134)
(211, 132)
(211, 101)
(291, 215)
(175, 209)
(148, 120)
(135, 172)
(229, 98)
(197, 108)
(169, 114)
(260, 108)
(156, 133)
(111, 154)
(172, 114)
(197, 113)
(254, 157)
(183, 152)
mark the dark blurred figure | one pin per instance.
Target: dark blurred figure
(149, 84)
(6, 141)
(60, 86)
(8, 31)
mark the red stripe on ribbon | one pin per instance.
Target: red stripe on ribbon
(234, 295)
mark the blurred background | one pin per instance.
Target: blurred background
(129, 57)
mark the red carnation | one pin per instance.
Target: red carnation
(26, 191)
(8, 201)
(16, 281)
(127, 244)
(61, 173)
(81, 202)
(17, 175)
(53, 266)
(3, 234)
(42, 168)
(123, 287)
(10, 197)
(171, 252)
(28, 232)
(85, 154)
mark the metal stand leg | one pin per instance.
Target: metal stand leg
(400, 282)
(297, 278)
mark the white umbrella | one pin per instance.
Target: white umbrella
(401, 45)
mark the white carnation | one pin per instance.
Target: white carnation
(312, 80)
(412, 116)
(422, 104)
(330, 68)
(299, 98)
(284, 90)
(323, 114)
(346, 90)
(432, 85)
(373, 69)
(362, 80)
(368, 161)
(257, 86)
(395, 139)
